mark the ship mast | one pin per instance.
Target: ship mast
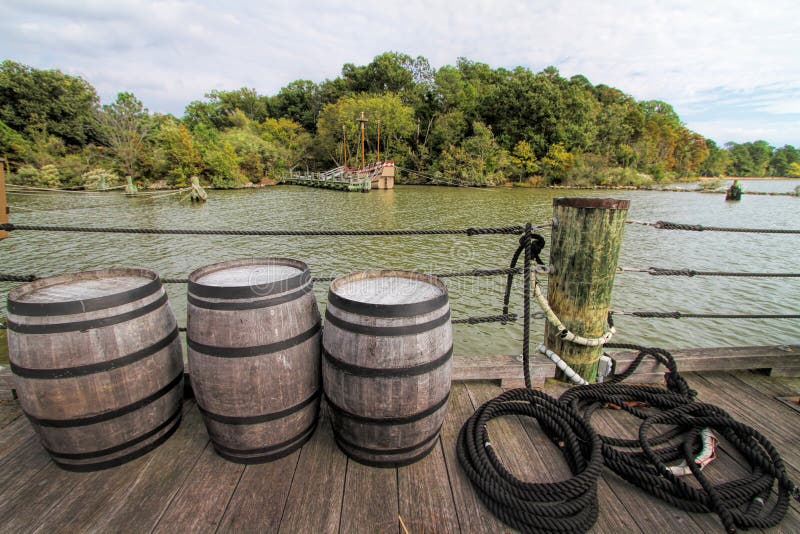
(344, 146)
(362, 120)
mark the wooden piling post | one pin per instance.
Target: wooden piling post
(3, 205)
(584, 250)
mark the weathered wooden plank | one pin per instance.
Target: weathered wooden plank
(425, 498)
(25, 461)
(473, 516)
(513, 445)
(716, 359)
(13, 435)
(780, 372)
(258, 503)
(775, 386)
(370, 499)
(75, 502)
(315, 498)
(9, 412)
(23, 511)
(143, 502)
(201, 502)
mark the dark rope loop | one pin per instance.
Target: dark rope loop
(643, 461)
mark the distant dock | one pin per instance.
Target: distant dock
(379, 175)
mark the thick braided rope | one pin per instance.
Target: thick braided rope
(509, 230)
(683, 315)
(567, 506)
(643, 462)
(664, 225)
(657, 271)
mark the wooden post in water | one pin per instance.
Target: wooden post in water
(586, 237)
(3, 205)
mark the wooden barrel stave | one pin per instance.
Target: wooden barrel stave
(100, 386)
(255, 363)
(387, 376)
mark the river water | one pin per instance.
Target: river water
(292, 207)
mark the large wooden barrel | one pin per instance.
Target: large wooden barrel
(387, 347)
(97, 364)
(254, 350)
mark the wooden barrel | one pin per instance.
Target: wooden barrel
(254, 350)
(97, 364)
(387, 347)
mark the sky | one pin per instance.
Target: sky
(731, 69)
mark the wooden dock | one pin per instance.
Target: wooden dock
(183, 486)
(376, 176)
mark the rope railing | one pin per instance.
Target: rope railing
(9, 277)
(665, 225)
(502, 230)
(689, 315)
(658, 271)
(470, 320)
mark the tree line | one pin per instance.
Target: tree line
(467, 124)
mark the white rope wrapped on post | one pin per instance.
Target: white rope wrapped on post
(564, 332)
(568, 371)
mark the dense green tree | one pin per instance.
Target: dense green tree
(782, 159)
(183, 156)
(717, 161)
(741, 160)
(123, 127)
(60, 104)
(478, 160)
(300, 101)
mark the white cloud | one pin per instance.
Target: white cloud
(688, 53)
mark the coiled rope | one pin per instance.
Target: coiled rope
(566, 506)
(643, 462)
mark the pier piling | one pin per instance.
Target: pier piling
(3, 205)
(585, 243)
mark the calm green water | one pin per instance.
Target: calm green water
(289, 207)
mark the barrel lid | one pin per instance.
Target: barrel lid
(82, 292)
(248, 278)
(388, 293)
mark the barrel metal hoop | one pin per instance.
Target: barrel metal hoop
(250, 291)
(263, 418)
(386, 331)
(387, 310)
(341, 412)
(399, 450)
(117, 448)
(83, 370)
(387, 463)
(268, 457)
(72, 307)
(59, 328)
(387, 372)
(258, 350)
(83, 468)
(113, 414)
(305, 433)
(258, 304)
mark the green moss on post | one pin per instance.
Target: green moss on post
(586, 237)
